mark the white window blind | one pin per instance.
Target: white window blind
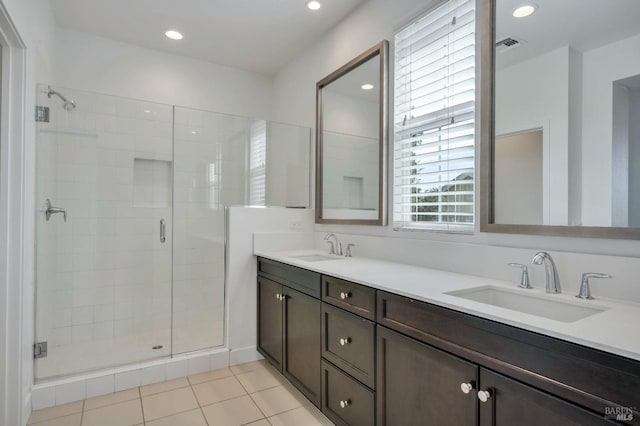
(434, 120)
(257, 161)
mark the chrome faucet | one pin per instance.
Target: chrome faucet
(585, 290)
(553, 281)
(335, 248)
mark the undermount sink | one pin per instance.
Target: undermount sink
(315, 257)
(532, 304)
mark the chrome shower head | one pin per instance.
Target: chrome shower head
(67, 105)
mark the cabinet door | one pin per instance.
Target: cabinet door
(270, 302)
(420, 385)
(514, 403)
(302, 343)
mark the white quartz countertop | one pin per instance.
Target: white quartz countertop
(612, 330)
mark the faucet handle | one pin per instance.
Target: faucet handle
(585, 290)
(348, 252)
(524, 280)
(332, 250)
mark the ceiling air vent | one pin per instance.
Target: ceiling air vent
(508, 43)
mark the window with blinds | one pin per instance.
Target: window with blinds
(257, 161)
(434, 120)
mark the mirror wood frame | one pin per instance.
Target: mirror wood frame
(487, 26)
(382, 51)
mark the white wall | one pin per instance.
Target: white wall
(34, 22)
(243, 222)
(101, 65)
(598, 78)
(295, 84)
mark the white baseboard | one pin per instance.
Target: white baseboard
(240, 356)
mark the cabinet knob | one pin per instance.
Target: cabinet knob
(484, 395)
(345, 295)
(278, 296)
(345, 403)
(345, 341)
(466, 387)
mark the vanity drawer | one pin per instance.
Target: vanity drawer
(307, 282)
(356, 298)
(344, 400)
(348, 341)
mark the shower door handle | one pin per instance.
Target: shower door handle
(163, 231)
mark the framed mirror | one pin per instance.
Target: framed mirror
(351, 141)
(560, 114)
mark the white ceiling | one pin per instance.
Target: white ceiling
(581, 24)
(255, 35)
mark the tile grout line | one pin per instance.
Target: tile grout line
(193, 392)
(256, 404)
(164, 391)
(141, 404)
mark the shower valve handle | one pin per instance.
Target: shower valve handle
(49, 210)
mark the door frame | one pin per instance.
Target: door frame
(15, 403)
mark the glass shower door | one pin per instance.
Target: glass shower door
(104, 258)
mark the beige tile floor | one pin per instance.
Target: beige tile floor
(248, 394)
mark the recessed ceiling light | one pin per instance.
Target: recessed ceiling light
(524, 11)
(173, 35)
(193, 132)
(314, 5)
(366, 86)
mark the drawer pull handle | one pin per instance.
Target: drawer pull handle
(345, 404)
(345, 341)
(345, 295)
(484, 395)
(466, 387)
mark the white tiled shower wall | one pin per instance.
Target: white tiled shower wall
(103, 274)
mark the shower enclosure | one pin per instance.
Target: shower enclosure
(131, 228)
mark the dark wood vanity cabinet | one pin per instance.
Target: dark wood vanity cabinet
(367, 357)
(289, 324)
(531, 379)
(417, 382)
